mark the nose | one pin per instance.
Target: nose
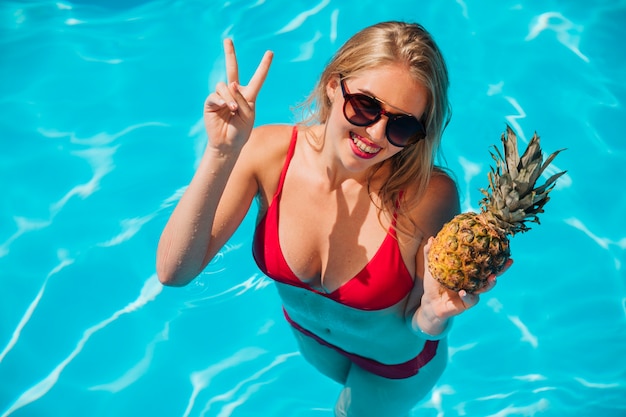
(378, 130)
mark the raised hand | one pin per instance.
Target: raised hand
(229, 111)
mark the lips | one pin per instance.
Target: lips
(363, 148)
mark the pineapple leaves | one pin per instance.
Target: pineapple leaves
(511, 196)
(509, 140)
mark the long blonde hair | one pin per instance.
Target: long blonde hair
(389, 43)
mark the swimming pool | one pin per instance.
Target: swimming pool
(101, 129)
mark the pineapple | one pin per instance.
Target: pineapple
(472, 246)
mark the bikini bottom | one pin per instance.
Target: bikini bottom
(396, 371)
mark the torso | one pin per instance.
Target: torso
(343, 235)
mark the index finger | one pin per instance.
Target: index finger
(259, 76)
(507, 265)
(232, 69)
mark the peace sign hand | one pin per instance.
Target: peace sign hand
(229, 111)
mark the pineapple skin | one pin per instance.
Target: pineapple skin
(467, 250)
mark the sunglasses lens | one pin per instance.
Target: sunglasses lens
(404, 130)
(362, 110)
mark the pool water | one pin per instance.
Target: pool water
(100, 127)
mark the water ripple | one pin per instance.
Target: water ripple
(307, 48)
(24, 226)
(597, 385)
(200, 380)
(528, 410)
(64, 261)
(603, 242)
(134, 373)
(527, 336)
(566, 31)
(234, 397)
(296, 22)
(101, 161)
(148, 293)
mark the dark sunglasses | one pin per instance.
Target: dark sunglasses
(363, 110)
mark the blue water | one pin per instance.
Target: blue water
(100, 130)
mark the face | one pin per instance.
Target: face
(385, 120)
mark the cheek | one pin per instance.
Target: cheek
(335, 116)
(393, 150)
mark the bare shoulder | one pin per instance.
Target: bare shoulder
(442, 190)
(267, 144)
(265, 153)
(438, 205)
(270, 138)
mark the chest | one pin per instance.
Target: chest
(327, 238)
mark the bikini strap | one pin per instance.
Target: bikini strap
(290, 152)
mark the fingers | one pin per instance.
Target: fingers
(222, 97)
(492, 280)
(428, 244)
(240, 103)
(507, 265)
(469, 300)
(230, 97)
(214, 102)
(232, 68)
(426, 249)
(259, 76)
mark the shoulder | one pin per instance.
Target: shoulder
(442, 190)
(267, 144)
(271, 138)
(437, 205)
(265, 153)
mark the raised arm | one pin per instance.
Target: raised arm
(204, 219)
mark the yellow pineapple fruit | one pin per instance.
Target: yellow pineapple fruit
(472, 246)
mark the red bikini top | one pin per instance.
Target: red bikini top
(383, 282)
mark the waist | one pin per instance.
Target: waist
(391, 371)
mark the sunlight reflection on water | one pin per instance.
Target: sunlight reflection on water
(102, 130)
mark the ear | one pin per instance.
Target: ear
(331, 88)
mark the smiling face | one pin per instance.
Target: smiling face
(360, 147)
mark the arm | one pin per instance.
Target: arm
(438, 305)
(223, 186)
(439, 204)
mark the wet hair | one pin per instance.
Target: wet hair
(387, 43)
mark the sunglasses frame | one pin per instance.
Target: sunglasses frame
(392, 117)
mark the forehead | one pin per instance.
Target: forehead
(394, 85)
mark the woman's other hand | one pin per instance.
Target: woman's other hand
(439, 304)
(448, 303)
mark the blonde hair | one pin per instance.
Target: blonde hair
(392, 43)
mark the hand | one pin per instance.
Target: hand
(229, 111)
(446, 303)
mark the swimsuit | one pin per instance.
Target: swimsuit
(382, 283)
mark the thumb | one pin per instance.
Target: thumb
(427, 248)
(428, 245)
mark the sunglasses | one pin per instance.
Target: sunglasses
(362, 110)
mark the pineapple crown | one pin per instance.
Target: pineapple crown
(512, 198)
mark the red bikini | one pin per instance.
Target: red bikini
(383, 282)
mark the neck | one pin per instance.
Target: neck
(326, 157)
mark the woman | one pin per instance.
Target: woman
(348, 202)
